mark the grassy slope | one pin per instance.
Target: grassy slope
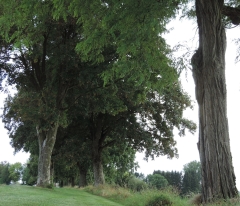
(18, 195)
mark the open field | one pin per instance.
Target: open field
(18, 195)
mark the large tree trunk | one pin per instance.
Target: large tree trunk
(218, 178)
(46, 140)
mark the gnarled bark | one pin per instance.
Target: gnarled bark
(46, 140)
(218, 178)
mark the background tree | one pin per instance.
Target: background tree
(192, 177)
(15, 171)
(29, 174)
(157, 180)
(140, 175)
(4, 173)
(174, 178)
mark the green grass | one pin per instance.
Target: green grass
(18, 195)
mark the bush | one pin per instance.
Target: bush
(136, 184)
(160, 200)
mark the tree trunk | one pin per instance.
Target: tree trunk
(46, 140)
(98, 170)
(97, 140)
(72, 179)
(82, 175)
(218, 178)
(82, 178)
(52, 172)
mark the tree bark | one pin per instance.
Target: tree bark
(97, 139)
(46, 140)
(72, 179)
(218, 178)
(98, 170)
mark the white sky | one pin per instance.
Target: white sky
(187, 148)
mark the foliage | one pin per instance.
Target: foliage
(160, 200)
(140, 175)
(174, 178)
(133, 29)
(157, 181)
(191, 178)
(29, 174)
(4, 173)
(15, 171)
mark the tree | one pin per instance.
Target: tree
(192, 177)
(208, 63)
(41, 79)
(157, 180)
(140, 175)
(174, 178)
(30, 169)
(15, 171)
(4, 173)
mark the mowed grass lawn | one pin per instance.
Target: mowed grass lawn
(18, 195)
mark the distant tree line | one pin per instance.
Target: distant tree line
(10, 172)
(188, 181)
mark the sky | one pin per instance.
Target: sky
(184, 32)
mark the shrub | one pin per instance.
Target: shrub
(160, 200)
(136, 184)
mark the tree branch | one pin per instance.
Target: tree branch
(232, 13)
(108, 144)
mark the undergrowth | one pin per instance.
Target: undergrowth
(127, 197)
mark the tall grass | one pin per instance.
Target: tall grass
(129, 198)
